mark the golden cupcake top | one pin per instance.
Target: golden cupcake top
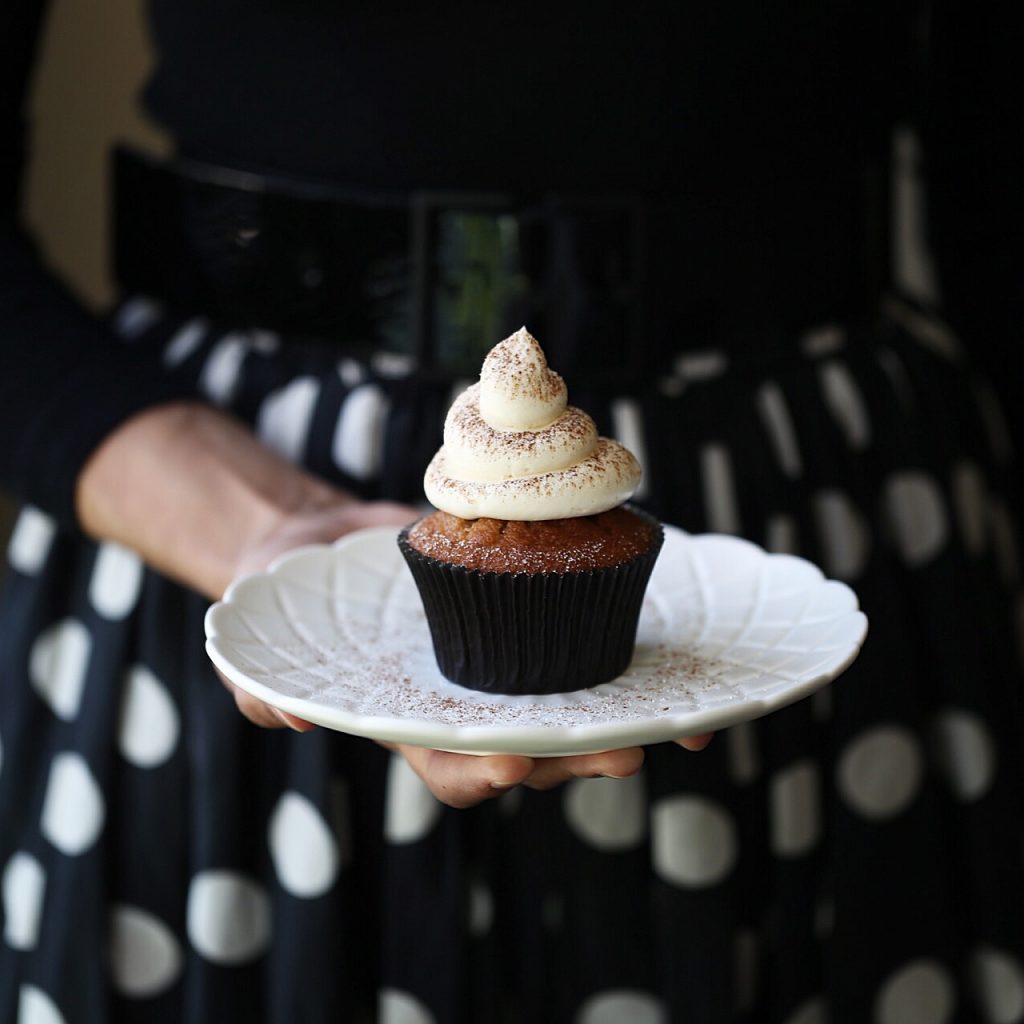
(580, 544)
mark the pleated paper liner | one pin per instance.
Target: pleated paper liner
(532, 633)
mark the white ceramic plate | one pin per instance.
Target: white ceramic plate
(337, 635)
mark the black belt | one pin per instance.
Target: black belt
(440, 276)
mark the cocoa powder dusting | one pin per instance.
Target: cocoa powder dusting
(523, 369)
(676, 686)
(572, 431)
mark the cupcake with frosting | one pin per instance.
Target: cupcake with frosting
(532, 570)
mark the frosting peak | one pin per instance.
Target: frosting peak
(517, 390)
(514, 449)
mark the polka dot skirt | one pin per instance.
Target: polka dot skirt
(856, 858)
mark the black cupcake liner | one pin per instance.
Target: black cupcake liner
(532, 633)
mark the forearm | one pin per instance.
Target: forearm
(192, 491)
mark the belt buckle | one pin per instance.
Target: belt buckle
(465, 280)
(574, 266)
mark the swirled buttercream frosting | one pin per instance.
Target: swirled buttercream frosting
(515, 449)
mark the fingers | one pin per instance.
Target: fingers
(696, 742)
(464, 780)
(262, 714)
(293, 721)
(549, 772)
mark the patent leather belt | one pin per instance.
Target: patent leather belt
(440, 276)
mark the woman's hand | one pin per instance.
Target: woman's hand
(465, 780)
(203, 501)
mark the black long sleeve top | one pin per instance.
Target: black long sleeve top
(767, 127)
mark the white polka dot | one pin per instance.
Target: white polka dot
(358, 444)
(609, 814)
(481, 908)
(693, 841)
(845, 403)
(745, 970)
(302, 847)
(145, 958)
(395, 1007)
(351, 373)
(219, 376)
(998, 982)
(700, 366)
(920, 993)
(843, 533)
(969, 501)
(285, 416)
(73, 810)
(264, 342)
(135, 316)
(912, 264)
(721, 506)
(795, 809)
(36, 1007)
(1004, 542)
(628, 430)
(31, 540)
(880, 771)
(392, 365)
(964, 752)
(741, 748)
(620, 1005)
(823, 341)
(227, 917)
(811, 1012)
(778, 423)
(57, 666)
(410, 809)
(116, 580)
(917, 514)
(185, 341)
(149, 726)
(23, 888)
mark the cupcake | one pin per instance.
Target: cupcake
(532, 570)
